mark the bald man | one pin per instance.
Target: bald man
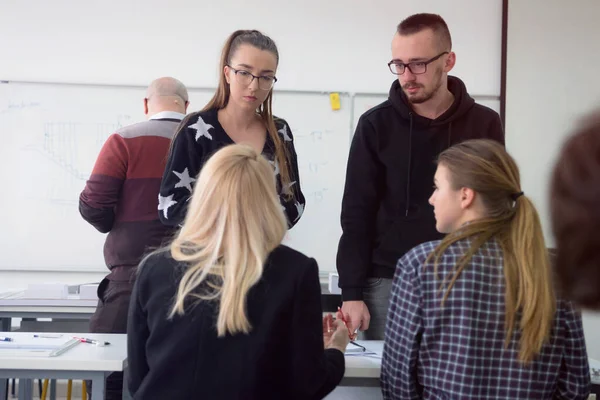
(121, 197)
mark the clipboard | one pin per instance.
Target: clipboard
(29, 349)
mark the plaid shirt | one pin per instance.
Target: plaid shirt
(457, 351)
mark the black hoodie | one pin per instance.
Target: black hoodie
(389, 179)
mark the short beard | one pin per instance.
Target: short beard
(426, 96)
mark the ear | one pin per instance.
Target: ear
(450, 62)
(146, 106)
(226, 73)
(467, 198)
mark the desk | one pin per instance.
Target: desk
(364, 370)
(84, 361)
(18, 307)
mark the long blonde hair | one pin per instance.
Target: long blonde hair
(234, 221)
(512, 220)
(221, 97)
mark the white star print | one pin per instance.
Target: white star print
(287, 189)
(164, 203)
(300, 209)
(284, 133)
(202, 129)
(184, 179)
(275, 165)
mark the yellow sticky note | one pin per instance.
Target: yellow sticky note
(334, 99)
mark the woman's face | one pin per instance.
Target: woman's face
(247, 63)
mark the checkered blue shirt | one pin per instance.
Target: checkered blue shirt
(457, 351)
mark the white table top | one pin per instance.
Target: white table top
(370, 367)
(82, 357)
(18, 299)
(365, 366)
(15, 302)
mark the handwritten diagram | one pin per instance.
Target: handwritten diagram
(70, 144)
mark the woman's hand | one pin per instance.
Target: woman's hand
(337, 336)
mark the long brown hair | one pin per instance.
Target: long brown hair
(512, 220)
(221, 97)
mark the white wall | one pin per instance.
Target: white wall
(333, 45)
(337, 45)
(552, 79)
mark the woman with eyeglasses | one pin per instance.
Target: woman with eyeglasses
(239, 112)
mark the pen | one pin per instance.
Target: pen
(48, 336)
(5, 339)
(92, 341)
(351, 335)
(358, 345)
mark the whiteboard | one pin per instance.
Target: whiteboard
(363, 103)
(52, 134)
(334, 45)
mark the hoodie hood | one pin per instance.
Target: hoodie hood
(390, 170)
(463, 102)
(461, 105)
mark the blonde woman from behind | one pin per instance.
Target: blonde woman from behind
(227, 312)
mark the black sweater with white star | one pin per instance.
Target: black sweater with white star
(199, 138)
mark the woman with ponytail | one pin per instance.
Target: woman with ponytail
(227, 312)
(475, 315)
(239, 112)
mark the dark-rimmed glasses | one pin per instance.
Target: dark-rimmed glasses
(243, 77)
(415, 67)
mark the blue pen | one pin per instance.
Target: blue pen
(5, 339)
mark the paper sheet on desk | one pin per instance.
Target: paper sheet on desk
(355, 351)
(37, 346)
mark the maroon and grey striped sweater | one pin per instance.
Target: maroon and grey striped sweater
(121, 196)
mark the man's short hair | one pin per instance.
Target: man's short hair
(419, 22)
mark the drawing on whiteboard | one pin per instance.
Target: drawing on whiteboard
(315, 166)
(315, 135)
(72, 148)
(12, 106)
(63, 142)
(316, 195)
(75, 145)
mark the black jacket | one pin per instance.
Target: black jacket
(389, 179)
(281, 358)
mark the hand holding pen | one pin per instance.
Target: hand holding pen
(351, 335)
(335, 333)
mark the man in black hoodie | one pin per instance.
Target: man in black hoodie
(390, 171)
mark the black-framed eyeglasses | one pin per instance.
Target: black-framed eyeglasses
(243, 77)
(415, 67)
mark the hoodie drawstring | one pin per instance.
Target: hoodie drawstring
(449, 134)
(410, 115)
